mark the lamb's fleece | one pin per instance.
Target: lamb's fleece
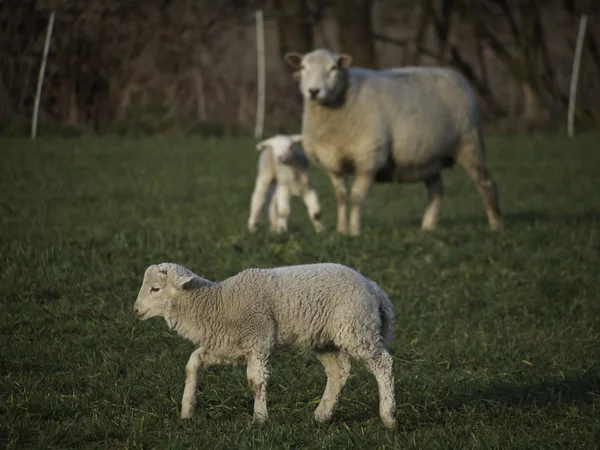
(328, 308)
(283, 171)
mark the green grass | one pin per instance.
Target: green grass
(497, 342)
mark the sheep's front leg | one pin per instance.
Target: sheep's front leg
(361, 185)
(193, 366)
(339, 187)
(435, 192)
(258, 376)
(257, 202)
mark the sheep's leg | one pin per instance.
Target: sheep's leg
(435, 192)
(471, 158)
(311, 200)
(382, 367)
(282, 195)
(258, 376)
(272, 202)
(339, 187)
(337, 367)
(360, 187)
(193, 366)
(258, 200)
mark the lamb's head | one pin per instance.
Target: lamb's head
(161, 283)
(321, 74)
(281, 145)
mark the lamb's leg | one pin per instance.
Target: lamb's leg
(471, 158)
(282, 195)
(339, 187)
(272, 202)
(360, 187)
(311, 200)
(193, 366)
(258, 200)
(435, 192)
(337, 367)
(258, 376)
(381, 366)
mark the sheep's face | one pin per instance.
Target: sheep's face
(281, 145)
(321, 74)
(161, 283)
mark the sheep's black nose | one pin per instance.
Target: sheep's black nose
(313, 93)
(135, 309)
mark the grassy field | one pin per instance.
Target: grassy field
(497, 342)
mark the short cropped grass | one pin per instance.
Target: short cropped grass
(497, 341)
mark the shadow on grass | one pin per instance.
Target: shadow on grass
(522, 217)
(571, 390)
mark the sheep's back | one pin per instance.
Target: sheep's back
(417, 114)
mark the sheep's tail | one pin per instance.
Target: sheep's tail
(386, 314)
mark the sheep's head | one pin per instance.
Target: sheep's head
(321, 74)
(161, 283)
(281, 145)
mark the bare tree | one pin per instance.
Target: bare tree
(355, 34)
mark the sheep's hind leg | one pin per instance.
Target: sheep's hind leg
(435, 192)
(337, 367)
(272, 209)
(258, 376)
(311, 200)
(339, 187)
(380, 363)
(193, 366)
(471, 158)
(282, 197)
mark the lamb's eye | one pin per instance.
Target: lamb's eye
(153, 289)
(333, 68)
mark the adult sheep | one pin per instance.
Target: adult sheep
(327, 308)
(396, 125)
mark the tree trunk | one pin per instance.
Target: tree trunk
(355, 34)
(293, 26)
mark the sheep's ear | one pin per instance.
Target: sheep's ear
(155, 271)
(293, 59)
(180, 282)
(344, 60)
(262, 145)
(296, 138)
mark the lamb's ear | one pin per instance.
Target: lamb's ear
(293, 59)
(344, 60)
(296, 138)
(155, 271)
(179, 282)
(262, 145)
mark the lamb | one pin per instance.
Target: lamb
(401, 125)
(283, 171)
(328, 308)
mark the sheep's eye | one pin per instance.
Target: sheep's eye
(302, 67)
(333, 68)
(153, 289)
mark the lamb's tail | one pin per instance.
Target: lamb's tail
(387, 315)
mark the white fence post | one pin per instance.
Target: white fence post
(38, 93)
(575, 74)
(261, 78)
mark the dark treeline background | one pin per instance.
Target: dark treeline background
(160, 65)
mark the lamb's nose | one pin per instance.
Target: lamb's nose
(313, 93)
(135, 309)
